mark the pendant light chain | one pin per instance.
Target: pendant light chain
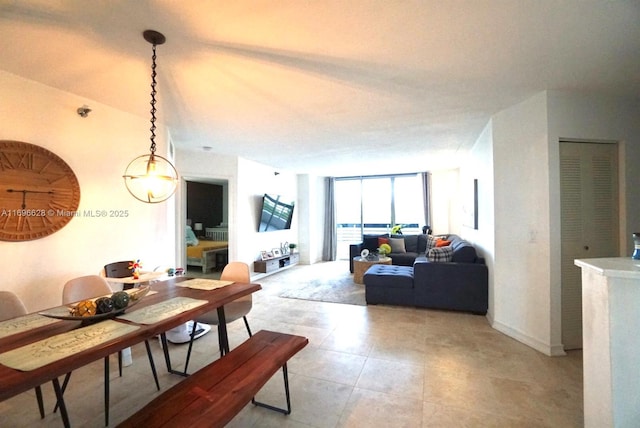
(153, 101)
(151, 178)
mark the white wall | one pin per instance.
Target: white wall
(523, 251)
(98, 149)
(254, 180)
(445, 201)
(479, 166)
(521, 272)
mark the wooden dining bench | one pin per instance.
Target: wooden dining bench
(213, 395)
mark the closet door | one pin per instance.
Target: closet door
(589, 220)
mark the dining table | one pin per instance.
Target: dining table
(36, 349)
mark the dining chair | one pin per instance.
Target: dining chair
(117, 269)
(12, 307)
(239, 308)
(86, 287)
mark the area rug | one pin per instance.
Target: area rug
(323, 282)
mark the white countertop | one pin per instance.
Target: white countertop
(621, 267)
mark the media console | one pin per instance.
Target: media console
(275, 264)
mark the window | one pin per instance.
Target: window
(369, 205)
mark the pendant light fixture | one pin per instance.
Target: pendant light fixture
(151, 178)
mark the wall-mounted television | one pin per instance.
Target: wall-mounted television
(276, 213)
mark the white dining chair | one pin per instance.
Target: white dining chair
(87, 287)
(12, 307)
(239, 308)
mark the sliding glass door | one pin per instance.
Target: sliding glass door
(371, 205)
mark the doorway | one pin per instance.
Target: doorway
(207, 214)
(589, 221)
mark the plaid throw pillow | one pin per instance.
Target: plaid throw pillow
(440, 254)
(431, 242)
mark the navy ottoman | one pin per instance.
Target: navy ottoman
(389, 284)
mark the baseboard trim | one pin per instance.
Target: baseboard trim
(547, 349)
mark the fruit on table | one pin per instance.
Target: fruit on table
(84, 308)
(104, 305)
(120, 299)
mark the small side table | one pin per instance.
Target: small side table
(360, 266)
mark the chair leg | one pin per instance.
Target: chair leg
(246, 324)
(191, 339)
(167, 357)
(152, 364)
(40, 401)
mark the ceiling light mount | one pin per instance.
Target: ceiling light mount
(151, 178)
(154, 37)
(83, 111)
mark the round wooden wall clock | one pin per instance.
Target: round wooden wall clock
(39, 193)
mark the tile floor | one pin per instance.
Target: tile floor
(375, 366)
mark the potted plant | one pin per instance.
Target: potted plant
(292, 248)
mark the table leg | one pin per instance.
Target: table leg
(106, 391)
(60, 403)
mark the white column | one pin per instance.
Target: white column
(611, 342)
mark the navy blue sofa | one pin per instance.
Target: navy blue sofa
(415, 246)
(460, 284)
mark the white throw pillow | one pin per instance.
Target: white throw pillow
(397, 245)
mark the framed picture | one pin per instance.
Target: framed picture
(276, 252)
(265, 255)
(470, 206)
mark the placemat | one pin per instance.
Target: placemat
(163, 310)
(204, 284)
(63, 345)
(23, 323)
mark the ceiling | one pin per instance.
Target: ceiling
(325, 87)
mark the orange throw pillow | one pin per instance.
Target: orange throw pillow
(442, 243)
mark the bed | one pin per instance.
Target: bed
(205, 252)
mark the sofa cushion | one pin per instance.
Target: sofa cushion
(370, 242)
(397, 245)
(422, 244)
(464, 254)
(410, 242)
(403, 259)
(463, 251)
(440, 254)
